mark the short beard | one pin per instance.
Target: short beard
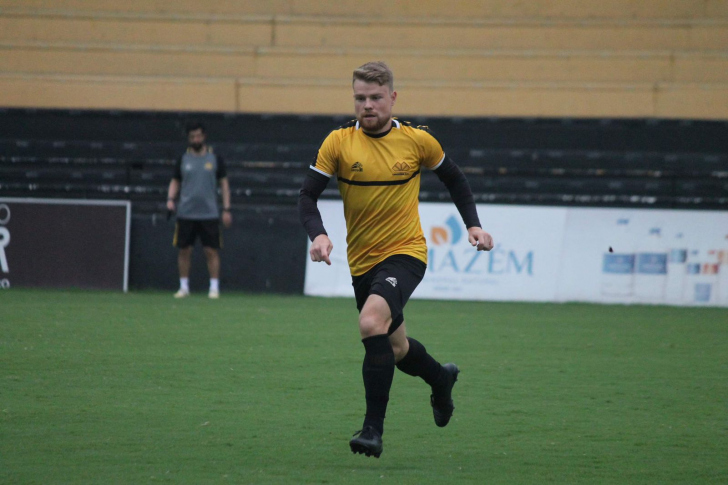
(196, 146)
(376, 128)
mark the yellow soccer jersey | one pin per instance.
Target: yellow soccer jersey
(379, 180)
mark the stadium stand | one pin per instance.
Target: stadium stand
(623, 58)
(557, 161)
(642, 74)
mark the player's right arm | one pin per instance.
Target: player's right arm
(320, 172)
(174, 185)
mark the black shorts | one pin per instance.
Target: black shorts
(394, 279)
(187, 231)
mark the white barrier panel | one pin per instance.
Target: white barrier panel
(518, 268)
(557, 254)
(673, 257)
(522, 266)
(334, 280)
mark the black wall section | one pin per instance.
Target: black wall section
(130, 155)
(264, 251)
(60, 245)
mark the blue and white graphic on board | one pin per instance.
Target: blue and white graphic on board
(557, 254)
(618, 266)
(676, 258)
(701, 277)
(723, 271)
(523, 265)
(650, 273)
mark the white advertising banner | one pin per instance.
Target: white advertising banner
(673, 257)
(322, 279)
(557, 254)
(523, 264)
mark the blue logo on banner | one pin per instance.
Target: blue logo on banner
(702, 292)
(445, 256)
(692, 268)
(618, 263)
(455, 230)
(652, 263)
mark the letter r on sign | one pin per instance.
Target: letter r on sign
(4, 241)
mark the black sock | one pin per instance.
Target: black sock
(378, 372)
(419, 363)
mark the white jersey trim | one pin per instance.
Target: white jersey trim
(396, 123)
(319, 171)
(439, 163)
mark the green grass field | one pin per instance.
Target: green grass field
(109, 388)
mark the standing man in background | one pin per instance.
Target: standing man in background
(195, 181)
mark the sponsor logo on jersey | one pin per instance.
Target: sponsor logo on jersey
(357, 167)
(401, 168)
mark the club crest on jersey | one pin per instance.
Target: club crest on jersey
(208, 166)
(401, 168)
(392, 281)
(357, 167)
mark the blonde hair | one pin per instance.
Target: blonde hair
(375, 72)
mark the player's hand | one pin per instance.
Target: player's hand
(227, 219)
(321, 249)
(170, 205)
(478, 237)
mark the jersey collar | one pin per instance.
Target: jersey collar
(395, 124)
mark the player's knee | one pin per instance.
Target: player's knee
(210, 252)
(400, 349)
(370, 324)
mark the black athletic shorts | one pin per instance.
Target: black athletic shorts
(187, 231)
(394, 279)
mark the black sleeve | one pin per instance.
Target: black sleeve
(178, 169)
(221, 169)
(454, 179)
(308, 212)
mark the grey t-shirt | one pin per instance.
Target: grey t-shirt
(198, 193)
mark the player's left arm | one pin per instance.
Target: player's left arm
(227, 218)
(454, 179)
(457, 184)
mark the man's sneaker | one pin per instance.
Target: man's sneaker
(441, 399)
(367, 441)
(214, 294)
(182, 293)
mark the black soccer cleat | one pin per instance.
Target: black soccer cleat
(441, 400)
(367, 441)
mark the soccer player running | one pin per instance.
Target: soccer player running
(195, 181)
(377, 160)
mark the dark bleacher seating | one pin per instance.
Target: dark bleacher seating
(589, 162)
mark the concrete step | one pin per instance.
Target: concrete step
(416, 98)
(326, 63)
(576, 9)
(346, 32)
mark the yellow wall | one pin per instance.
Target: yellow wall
(664, 58)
